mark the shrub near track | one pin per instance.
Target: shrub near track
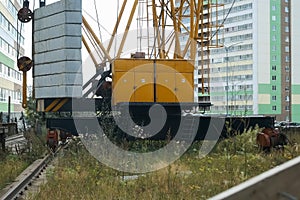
(11, 166)
(77, 175)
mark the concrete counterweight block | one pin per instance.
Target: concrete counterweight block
(57, 52)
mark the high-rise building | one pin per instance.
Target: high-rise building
(295, 61)
(255, 72)
(10, 37)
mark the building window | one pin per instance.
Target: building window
(286, 29)
(287, 108)
(286, 19)
(287, 68)
(274, 98)
(274, 58)
(2, 95)
(287, 59)
(287, 88)
(273, 87)
(287, 49)
(274, 38)
(274, 48)
(273, 28)
(287, 39)
(287, 98)
(287, 79)
(273, 78)
(273, 108)
(273, 18)
(286, 9)
(273, 7)
(274, 67)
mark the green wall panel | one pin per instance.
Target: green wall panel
(264, 89)
(266, 109)
(296, 113)
(3, 107)
(6, 61)
(263, 108)
(295, 89)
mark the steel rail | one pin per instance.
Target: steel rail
(17, 189)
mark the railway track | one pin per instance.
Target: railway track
(16, 143)
(25, 180)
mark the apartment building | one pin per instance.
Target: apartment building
(255, 71)
(10, 76)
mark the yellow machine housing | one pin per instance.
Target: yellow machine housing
(148, 80)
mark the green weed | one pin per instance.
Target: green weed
(77, 175)
(12, 165)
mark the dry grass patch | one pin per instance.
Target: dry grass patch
(79, 176)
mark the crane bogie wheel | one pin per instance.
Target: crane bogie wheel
(25, 64)
(25, 15)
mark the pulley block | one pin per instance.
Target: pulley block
(25, 15)
(24, 64)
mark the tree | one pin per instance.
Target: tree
(31, 115)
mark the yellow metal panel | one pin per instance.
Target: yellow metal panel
(123, 87)
(165, 87)
(133, 80)
(184, 87)
(165, 66)
(184, 66)
(144, 87)
(122, 65)
(143, 65)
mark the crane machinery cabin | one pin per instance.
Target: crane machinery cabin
(173, 43)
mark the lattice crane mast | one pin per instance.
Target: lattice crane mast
(175, 31)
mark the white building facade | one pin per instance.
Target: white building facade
(10, 76)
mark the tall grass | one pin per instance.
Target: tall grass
(11, 165)
(77, 175)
